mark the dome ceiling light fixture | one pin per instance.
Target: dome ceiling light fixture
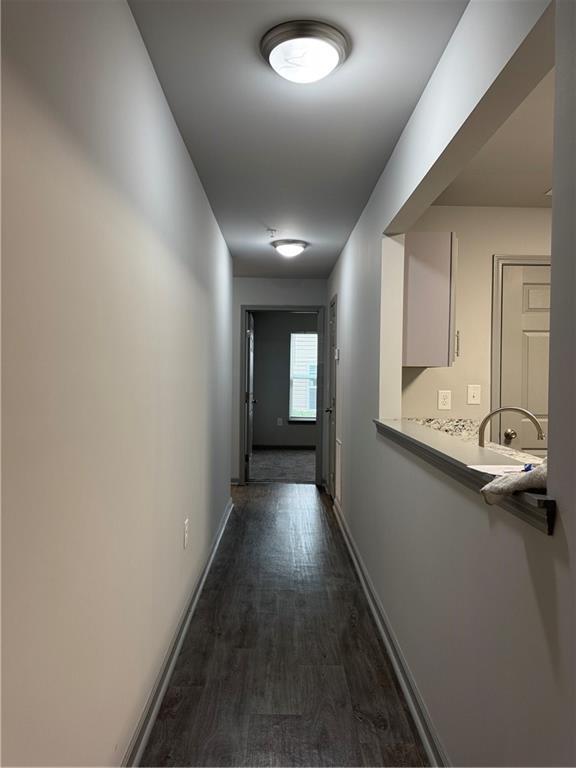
(304, 51)
(289, 248)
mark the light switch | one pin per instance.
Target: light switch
(279, 422)
(444, 399)
(474, 394)
(186, 528)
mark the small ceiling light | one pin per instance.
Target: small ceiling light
(289, 248)
(304, 51)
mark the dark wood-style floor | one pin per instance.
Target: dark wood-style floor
(282, 664)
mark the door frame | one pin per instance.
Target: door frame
(331, 398)
(500, 261)
(248, 384)
(319, 311)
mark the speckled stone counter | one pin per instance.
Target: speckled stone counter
(467, 429)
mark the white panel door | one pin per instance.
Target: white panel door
(525, 351)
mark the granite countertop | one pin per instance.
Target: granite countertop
(467, 430)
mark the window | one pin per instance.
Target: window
(303, 376)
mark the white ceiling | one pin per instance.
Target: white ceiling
(302, 159)
(514, 168)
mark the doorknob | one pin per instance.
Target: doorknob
(328, 410)
(509, 435)
(254, 402)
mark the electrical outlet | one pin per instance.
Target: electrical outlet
(444, 399)
(474, 394)
(279, 421)
(186, 527)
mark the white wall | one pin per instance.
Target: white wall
(481, 604)
(476, 85)
(481, 233)
(116, 396)
(263, 292)
(391, 327)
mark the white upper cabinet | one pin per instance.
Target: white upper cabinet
(429, 299)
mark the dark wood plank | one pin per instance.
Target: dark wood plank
(167, 744)
(276, 740)
(282, 663)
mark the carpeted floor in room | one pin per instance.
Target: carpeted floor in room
(290, 465)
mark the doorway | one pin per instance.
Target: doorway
(520, 348)
(281, 394)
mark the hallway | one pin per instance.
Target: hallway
(267, 267)
(282, 664)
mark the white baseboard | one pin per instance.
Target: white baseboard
(426, 730)
(140, 739)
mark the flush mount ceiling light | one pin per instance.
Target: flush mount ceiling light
(304, 51)
(289, 248)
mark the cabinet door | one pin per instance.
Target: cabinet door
(429, 306)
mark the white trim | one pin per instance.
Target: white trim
(342, 523)
(142, 733)
(338, 471)
(430, 739)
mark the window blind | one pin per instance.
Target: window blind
(303, 376)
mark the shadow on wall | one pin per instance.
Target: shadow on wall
(52, 37)
(544, 575)
(409, 376)
(46, 41)
(117, 318)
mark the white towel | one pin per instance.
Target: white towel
(505, 485)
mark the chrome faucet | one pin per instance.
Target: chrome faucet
(516, 409)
